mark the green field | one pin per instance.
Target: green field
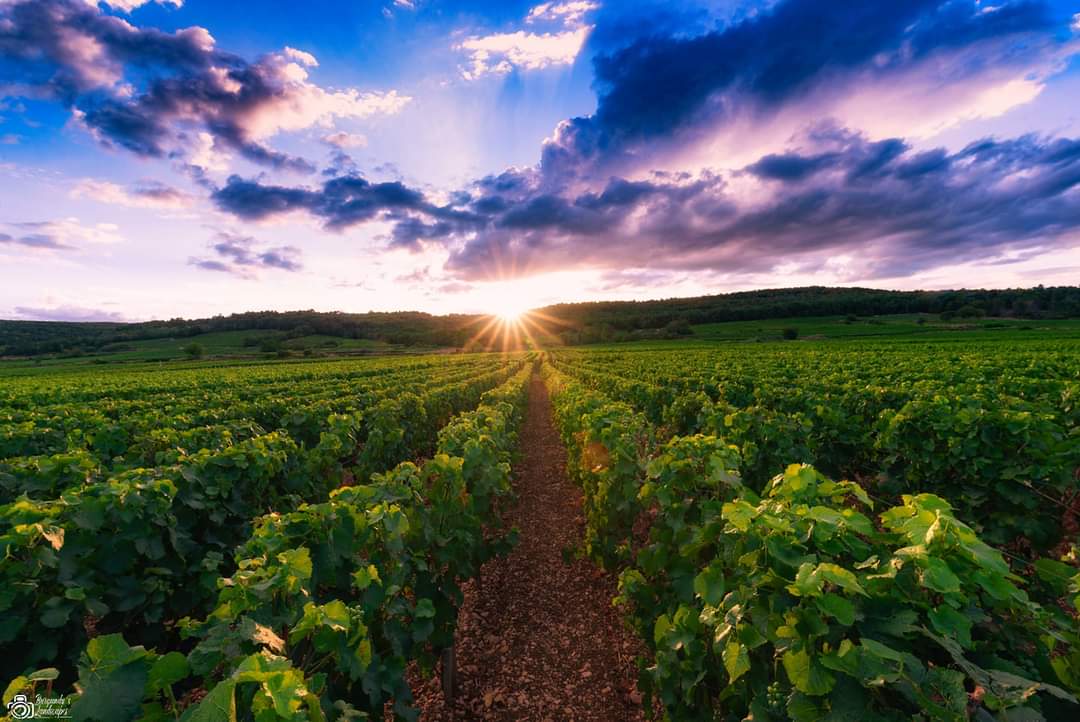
(919, 327)
(819, 528)
(232, 344)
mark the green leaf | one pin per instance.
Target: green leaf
(107, 653)
(950, 622)
(807, 674)
(837, 607)
(736, 660)
(660, 628)
(801, 708)
(937, 575)
(112, 697)
(14, 687)
(44, 675)
(168, 670)
(425, 609)
(808, 583)
(739, 514)
(55, 617)
(363, 577)
(709, 584)
(880, 650)
(1054, 573)
(843, 578)
(287, 690)
(218, 706)
(810, 580)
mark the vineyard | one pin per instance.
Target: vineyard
(823, 534)
(841, 531)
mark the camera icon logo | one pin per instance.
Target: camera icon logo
(20, 707)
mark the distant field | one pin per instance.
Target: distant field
(220, 345)
(225, 343)
(224, 346)
(898, 327)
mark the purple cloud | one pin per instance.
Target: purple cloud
(238, 255)
(67, 313)
(71, 51)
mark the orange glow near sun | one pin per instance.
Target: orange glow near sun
(514, 329)
(511, 314)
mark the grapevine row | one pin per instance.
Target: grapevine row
(805, 598)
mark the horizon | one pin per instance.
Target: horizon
(164, 158)
(515, 314)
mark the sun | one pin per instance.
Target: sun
(510, 313)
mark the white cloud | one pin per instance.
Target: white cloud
(571, 12)
(67, 234)
(205, 154)
(301, 57)
(127, 6)
(1076, 23)
(300, 104)
(500, 53)
(144, 195)
(341, 139)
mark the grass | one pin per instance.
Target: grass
(906, 327)
(218, 345)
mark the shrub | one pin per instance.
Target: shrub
(798, 606)
(194, 350)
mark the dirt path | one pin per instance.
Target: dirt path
(538, 639)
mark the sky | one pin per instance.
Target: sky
(165, 158)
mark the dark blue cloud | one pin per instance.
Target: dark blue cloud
(790, 166)
(897, 211)
(665, 84)
(346, 201)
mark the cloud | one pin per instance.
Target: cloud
(339, 203)
(893, 209)
(10, 139)
(454, 287)
(36, 240)
(160, 94)
(240, 255)
(145, 194)
(341, 139)
(67, 313)
(571, 12)
(128, 5)
(707, 96)
(500, 53)
(67, 234)
(627, 188)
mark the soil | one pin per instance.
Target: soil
(538, 638)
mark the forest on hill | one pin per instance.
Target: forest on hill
(568, 323)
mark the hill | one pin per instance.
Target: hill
(568, 323)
